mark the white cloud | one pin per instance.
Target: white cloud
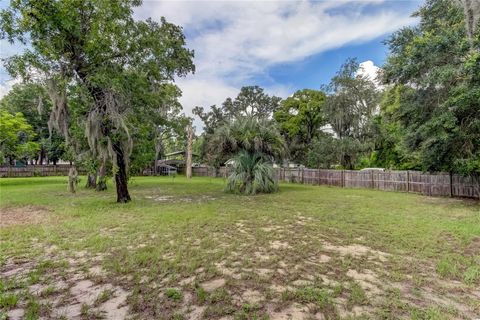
(236, 42)
(6, 86)
(370, 70)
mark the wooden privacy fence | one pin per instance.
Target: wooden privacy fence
(431, 184)
(37, 170)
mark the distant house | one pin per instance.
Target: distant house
(172, 163)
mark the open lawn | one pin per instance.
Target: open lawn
(186, 250)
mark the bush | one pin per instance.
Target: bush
(251, 175)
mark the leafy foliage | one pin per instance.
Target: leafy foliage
(434, 68)
(256, 136)
(300, 118)
(251, 101)
(323, 152)
(33, 102)
(16, 136)
(120, 66)
(351, 104)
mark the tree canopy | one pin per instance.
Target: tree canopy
(251, 101)
(434, 69)
(16, 136)
(118, 64)
(300, 119)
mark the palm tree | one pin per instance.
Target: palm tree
(254, 145)
(251, 175)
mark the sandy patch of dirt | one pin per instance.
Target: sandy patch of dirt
(354, 313)
(328, 281)
(279, 288)
(97, 271)
(272, 228)
(262, 256)
(252, 296)
(115, 307)
(187, 281)
(473, 247)
(227, 271)
(13, 270)
(301, 283)
(196, 312)
(213, 284)
(281, 272)
(15, 314)
(368, 280)
(276, 245)
(112, 306)
(293, 312)
(263, 272)
(357, 250)
(23, 216)
(321, 259)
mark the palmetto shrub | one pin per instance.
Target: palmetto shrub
(254, 145)
(251, 175)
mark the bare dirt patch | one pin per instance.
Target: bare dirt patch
(356, 250)
(252, 296)
(213, 284)
(368, 280)
(16, 314)
(474, 247)
(293, 312)
(227, 271)
(23, 216)
(279, 245)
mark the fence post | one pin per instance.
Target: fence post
(371, 176)
(303, 173)
(451, 184)
(343, 178)
(408, 181)
(318, 172)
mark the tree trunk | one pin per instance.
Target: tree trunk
(188, 165)
(102, 180)
(72, 179)
(121, 181)
(91, 181)
(41, 156)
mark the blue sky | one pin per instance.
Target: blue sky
(318, 69)
(282, 45)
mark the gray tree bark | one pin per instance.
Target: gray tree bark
(72, 179)
(188, 165)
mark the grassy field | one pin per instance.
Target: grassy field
(186, 250)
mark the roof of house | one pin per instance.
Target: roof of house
(177, 153)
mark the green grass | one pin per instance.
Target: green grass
(173, 294)
(174, 226)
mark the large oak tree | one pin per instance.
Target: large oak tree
(119, 64)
